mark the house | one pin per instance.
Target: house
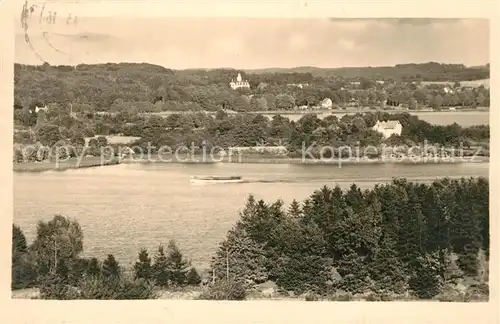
(37, 109)
(327, 103)
(388, 128)
(239, 83)
(448, 90)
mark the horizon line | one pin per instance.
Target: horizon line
(266, 68)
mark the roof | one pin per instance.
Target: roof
(390, 124)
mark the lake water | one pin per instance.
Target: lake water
(126, 207)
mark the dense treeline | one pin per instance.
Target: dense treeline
(398, 240)
(224, 130)
(150, 88)
(53, 263)
(431, 71)
(403, 237)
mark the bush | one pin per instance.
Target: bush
(341, 296)
(96, 288)
(312, 297)
(225, 289)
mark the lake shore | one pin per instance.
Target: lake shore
(335, 161)
(72, 163)
(93, 162)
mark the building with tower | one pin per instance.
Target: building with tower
(239, 83)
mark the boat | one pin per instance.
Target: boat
(216, 179)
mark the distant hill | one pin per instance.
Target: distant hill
(431, 71)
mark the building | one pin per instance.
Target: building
(388, 128)
(37, 109)
(239, 83)
(327, 103)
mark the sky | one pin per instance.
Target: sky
(251, 43)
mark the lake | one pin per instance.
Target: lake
(126, 207)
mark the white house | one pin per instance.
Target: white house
(239, 83)
(388, 128)
(327, 103)
(37, 109)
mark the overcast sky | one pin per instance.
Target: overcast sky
(259, 42)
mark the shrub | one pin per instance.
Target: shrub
(312, 297)
(225, 289)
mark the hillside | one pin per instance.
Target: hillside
(431, 71)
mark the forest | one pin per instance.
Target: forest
(139, 88)
(397, 241)
(201, 130)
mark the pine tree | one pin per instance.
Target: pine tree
(93, 267)
(18, 241)
(23, 273)
(110, 268)
(241, 257)
(386, 269)
(177, 267)
(451, 270)
(193, 278)
(160, 271)
(142, 267)
(426, 280)
(294, 210)
(466, 229)
(354, 273)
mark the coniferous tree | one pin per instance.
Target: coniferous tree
(294, 209)
(93, 267)
(110, 268)
(412, 236)
(451, 271)
(160, 271)
(426, 280)
(142, 267)
(193, 278)
(465, 230)
(177, 267)
(23, 273)
(241, 257)
(386, 269)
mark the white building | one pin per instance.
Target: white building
(239, 83)
(327, 103)
(37, 109)
(388, 128)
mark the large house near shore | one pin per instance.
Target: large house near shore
(388, 128)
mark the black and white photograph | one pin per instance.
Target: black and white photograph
(308, 159)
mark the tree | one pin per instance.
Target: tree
(193, 278)
(142, 267)
(386, 269)
(23, 274)
(101, 141)
(160, 268)
(111, 269)
(284, 102)
(48, 134)
(437, 102)
(241, 104)
(426, 282)
(177, 267)
(57, 243)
